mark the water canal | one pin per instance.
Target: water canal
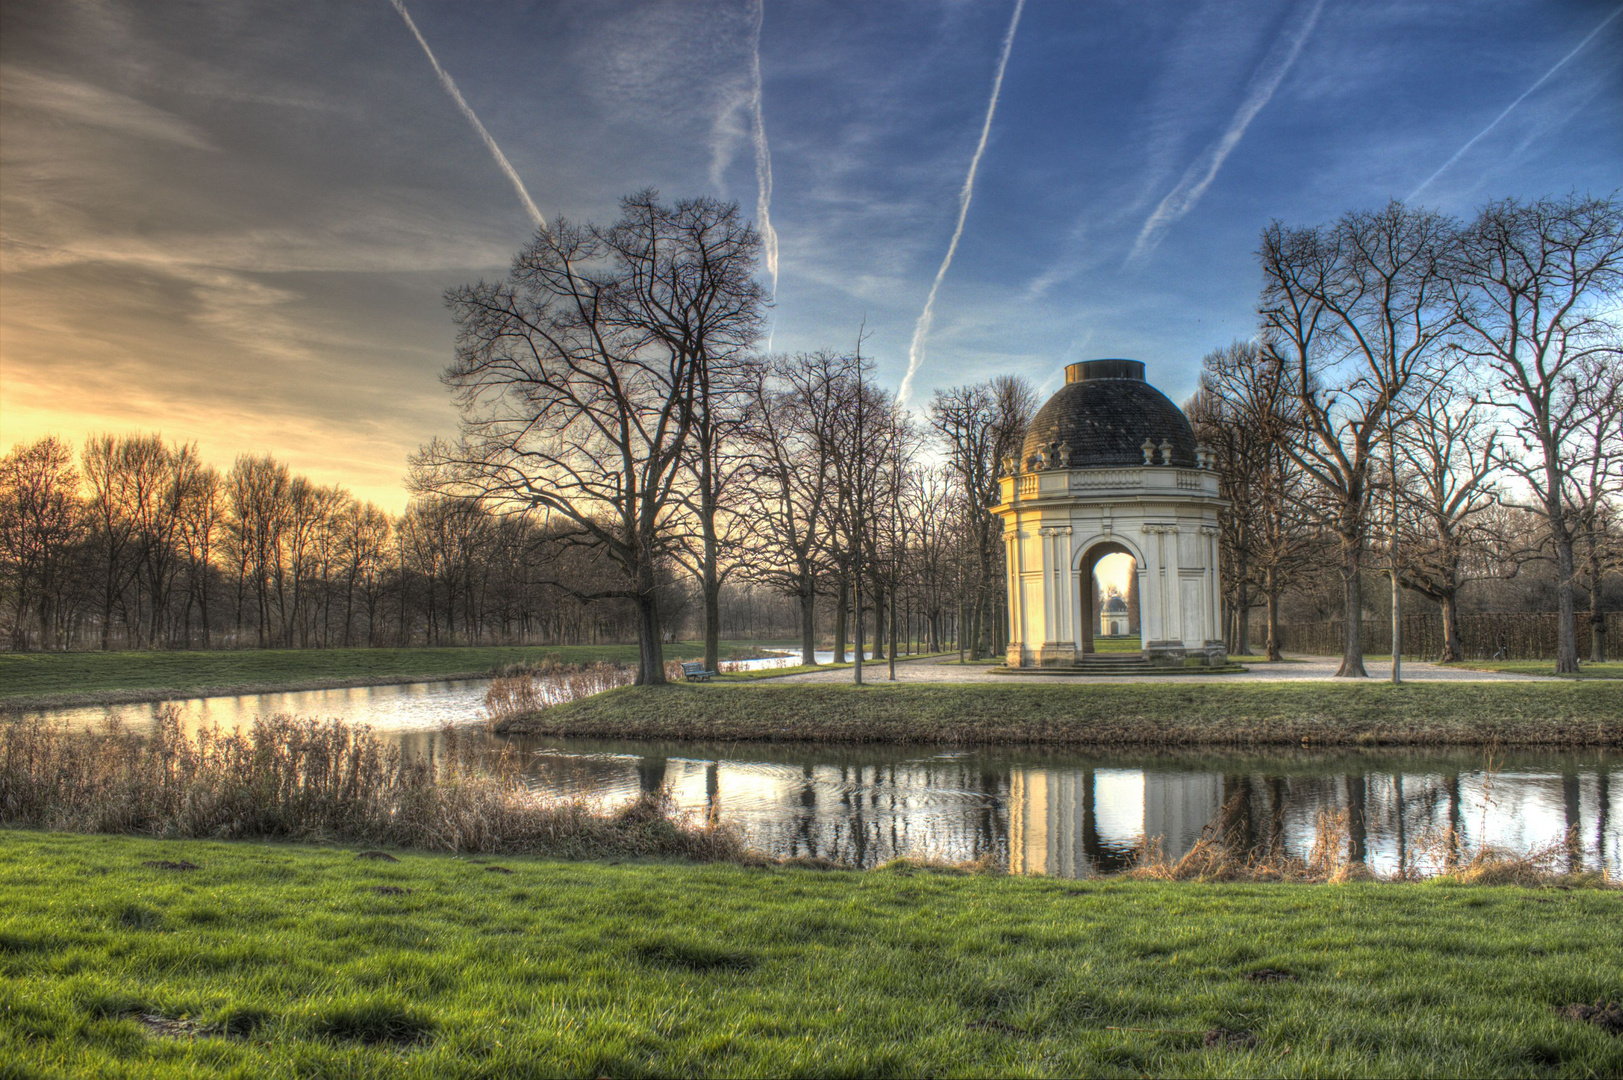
(1057, 812)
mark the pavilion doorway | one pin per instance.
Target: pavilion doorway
(1109, 620)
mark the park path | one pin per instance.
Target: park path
(1293, 669)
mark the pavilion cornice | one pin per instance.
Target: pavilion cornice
(1038, 488)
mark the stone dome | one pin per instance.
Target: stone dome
(1104, 412)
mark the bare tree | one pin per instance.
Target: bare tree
(1353, 312)
(981, 426)
(1444, 472)
(577, 378)
(40, 522)
(791, 477)
(1536, 287)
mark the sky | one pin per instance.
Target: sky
(233, 222)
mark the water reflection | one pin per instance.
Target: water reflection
(1077, 816)
(1058, 813)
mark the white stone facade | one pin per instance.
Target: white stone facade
(1058, 522)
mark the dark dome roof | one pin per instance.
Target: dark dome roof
(1105, 411)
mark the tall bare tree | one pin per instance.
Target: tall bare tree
(1537, 289)
(577, 378)
(791, 477)
(41, 520)
(981, 425)
(1354, 313)
(1444, 472)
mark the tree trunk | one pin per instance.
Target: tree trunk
(712, 613)
(1352, 582)
(1242, 620)
(878, 622)
(808, 624)
(1597, 607)
(842, 609)
(1453, 651)
(1274, 644)
(1566, 647)
(650, 650)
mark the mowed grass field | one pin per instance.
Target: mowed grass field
(275, 960)
(1161, 713)
(95, 677)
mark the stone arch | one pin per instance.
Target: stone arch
(1086, 559)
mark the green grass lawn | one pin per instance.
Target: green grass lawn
(1611, 669)
(96, 677)
(277, 960)
(1144, 714)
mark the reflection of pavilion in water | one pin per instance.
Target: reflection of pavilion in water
(1055, 820)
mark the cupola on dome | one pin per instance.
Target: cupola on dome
(1106, 414)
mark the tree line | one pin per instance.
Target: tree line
(1431, 400)
(1435, 399)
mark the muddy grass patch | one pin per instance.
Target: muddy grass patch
(1606, 1015)
(390, 890)
(1223, 1039)
(1269, 975)
(170, 864)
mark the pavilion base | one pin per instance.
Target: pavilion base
(1056, 654)
(1165, 653)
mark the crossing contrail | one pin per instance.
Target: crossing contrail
(1542, 79)
(915, 352)
(763, 157)
(1200, 174)
(462, 103)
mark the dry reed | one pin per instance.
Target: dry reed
(524, 691)
(292, 779)
(1329, 861)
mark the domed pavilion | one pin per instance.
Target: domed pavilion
(1110, 466)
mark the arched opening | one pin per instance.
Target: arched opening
(1109, 594)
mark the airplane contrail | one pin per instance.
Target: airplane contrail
(1200, 174)
(1542, 79)
(462, 103)
(915, 352)
(763, 157)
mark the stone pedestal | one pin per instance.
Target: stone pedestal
(1057, 654)
(1165, 653)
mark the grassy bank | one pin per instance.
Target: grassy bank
(1611, 669)
(40, 680)
(1150, 714)
(283, 960)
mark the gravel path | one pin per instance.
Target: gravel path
(1294, 669)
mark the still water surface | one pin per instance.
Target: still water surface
(1051, 812)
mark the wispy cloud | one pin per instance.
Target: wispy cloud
(80, 102)
(763, 156)
(1203, 170)
(467, 110)
(921, 330)
(1540, 81)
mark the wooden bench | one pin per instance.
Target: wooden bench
(695, 672)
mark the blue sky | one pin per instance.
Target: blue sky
(233, 222)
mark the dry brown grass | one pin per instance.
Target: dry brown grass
(292, 779)
(1441, 857)
(525, 691)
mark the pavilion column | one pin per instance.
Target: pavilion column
(1175, 621)
(1064, 581)
(1047, 535)
(1214, 604)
